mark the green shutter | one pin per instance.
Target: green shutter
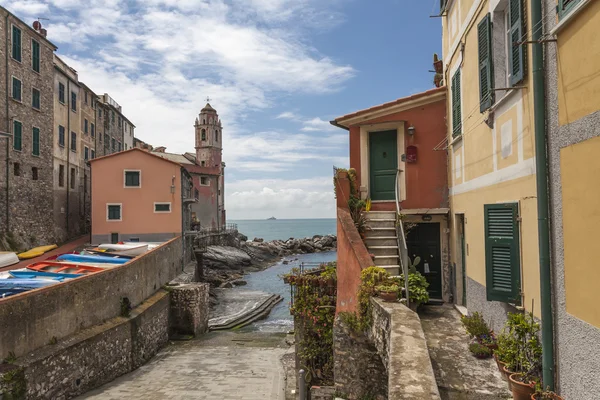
(456, 109)
(16, 43)
(35, 56)
(36, 141)
(35, 99)
(517, 23)
(443, 6)
(17, 135)
(564, 6)
(16, 92)
(486, 84)
(502, 261)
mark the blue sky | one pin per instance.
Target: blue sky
(276, 70)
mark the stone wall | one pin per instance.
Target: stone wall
(28, 320)
(189, 309)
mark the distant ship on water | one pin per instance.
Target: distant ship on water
(271, 219)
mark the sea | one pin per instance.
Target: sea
(269, 280)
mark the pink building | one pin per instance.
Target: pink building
(138, 196)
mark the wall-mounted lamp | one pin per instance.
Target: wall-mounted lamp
(173, 185)
(411, 130)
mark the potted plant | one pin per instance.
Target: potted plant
(438, 64)
(504, 354)
(388, 292)
(488, 340)
(544, 394)
(479, 350)
(438, 80)
(522, 386)
(417, 288)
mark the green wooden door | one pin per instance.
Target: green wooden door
(383, 164)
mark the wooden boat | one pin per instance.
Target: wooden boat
(125, 249)
(105, 253)
(63, 268)
(77, 258)
(8, 258)
(9, 287)
(31, 274)
(36, 252)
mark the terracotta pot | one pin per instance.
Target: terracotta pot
(500, 365)
(507, 374)
(554, 397)
(388, 296)
(521, 390)
(342, 175)
(438, 66)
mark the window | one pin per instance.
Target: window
(118, 146)
(72, 178)
(106, 140)
(85, 126)
(119, 122)
(456, 106)
(73, 141)
(203, 163)
(86, 153)
(203, 134)
(61, 175)
(17, 169)
(502, 260)
(204, 181)
(517, 51)
(61, 136)
(35, 98)
(61, 92)
(112, 116)
(17, 135)
(93, 154)
(36, 141)
(73, 101)
(114, 144)
(114, 238)
(35, 55)
(216, 135)
(484, 34)
(564, 6)
(99, 113)
(113, 212)
(34, 173)
(16, 43)
(125, 146)
(93, 130)
(16, 89)
(134, 239)
(85, 97)
(132, 179)
(162, 207)
(196, 194)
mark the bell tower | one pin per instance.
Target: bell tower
(209, 138)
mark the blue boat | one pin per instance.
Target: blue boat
(44, 275)
(75, 258)
(9, 287)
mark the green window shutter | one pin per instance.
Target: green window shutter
(16, 43)
(564, 6)
(16, 92)
(36, 141)
(517, 61)
(17, 135)
(443, 6)
(35, 56)
(35, 99)
(61, 92)
(486, 84)
(502, 261)
(456, 109)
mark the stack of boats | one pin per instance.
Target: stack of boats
(62, 267)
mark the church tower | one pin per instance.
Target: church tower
(209, 146)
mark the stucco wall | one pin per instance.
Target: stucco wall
(30, 319)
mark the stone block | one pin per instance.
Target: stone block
(189, 309)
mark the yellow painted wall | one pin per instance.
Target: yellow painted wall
(580, 168)
(578, 65)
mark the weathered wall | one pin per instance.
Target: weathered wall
(31, 318)
(189, 309)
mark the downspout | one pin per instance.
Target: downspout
(218, 218)
(539, 112)
(183, 237)
(7, 130)
(68, 138)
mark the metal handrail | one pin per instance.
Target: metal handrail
(402, 248)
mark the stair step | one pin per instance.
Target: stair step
(382, 247)
(381, 241)
(396, 256)
(383, 228)
(381, 219)
(382, 223)
(383, 251)
(393, 270)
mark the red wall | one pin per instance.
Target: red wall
(427, 179)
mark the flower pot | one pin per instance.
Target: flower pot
(507, 374)
(500, 365)
(388, 296)
(342, 175)
(521, 390)
(438, 66)
(554, 397)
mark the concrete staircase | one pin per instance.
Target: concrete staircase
(382, 241)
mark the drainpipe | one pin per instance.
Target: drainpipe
(68, 139)
(7, 130)
(539, 111)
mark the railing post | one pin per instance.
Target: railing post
(302, 385)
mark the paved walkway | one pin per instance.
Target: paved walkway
(459, 375)
(221, 365)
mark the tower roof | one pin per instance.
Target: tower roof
(208, 107)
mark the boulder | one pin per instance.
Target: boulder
(226, 285)
(239, 282)
(225, 257)
(258, 240)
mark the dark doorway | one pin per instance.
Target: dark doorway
(114, 238)
(383, 165)
(424, 241)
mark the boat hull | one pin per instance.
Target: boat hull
(75, 258)
(8, 258)
(125, 249)
(57, 267)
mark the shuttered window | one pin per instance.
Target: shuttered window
(486, 93)
(564, 6)
(517, 48)
(35, 98)
(35, 56)
(36, 141)
(16, 43)
(114, 212)
(456, 109)
(16, 89)
(502, 261)
(17, 135)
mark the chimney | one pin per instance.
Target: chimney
(160, 149)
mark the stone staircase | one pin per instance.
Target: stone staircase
(382, 241)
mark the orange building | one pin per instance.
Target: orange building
(138, 196)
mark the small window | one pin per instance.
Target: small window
(73, 101)
(114, 238)
(113, 212)
(73, 141)
(162, 207)
(120, 122)
(118, 146)
(34, 173)
(61, 92)
(114, 144)
(204, 181)
(93, 129)
(132, 179)
(564, 6)
(106, 140)
(85, 126)
(61, 136)
(36, 141)
(16, 43)
(216, 135)
(17, 169)
(85, 97)
(203, 134)
(17, 135)
(61, 176)
(72, 178)
(35, 98)
(93, 154)
(16, 89)
(112, 116)
(196, 194)
(134, 240)
(203, 163)
(456, 105)
(35, 55)
(86, 153)
(99, 113)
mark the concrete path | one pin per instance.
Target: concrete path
(221, 365)
(459, 375)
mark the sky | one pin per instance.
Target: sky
(277, 71)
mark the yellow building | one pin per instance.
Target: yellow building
(573, 97)
(490, 146)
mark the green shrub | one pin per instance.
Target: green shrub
(475, 325)
(417, 288)
(480, 350)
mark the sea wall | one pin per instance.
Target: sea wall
(30, 320)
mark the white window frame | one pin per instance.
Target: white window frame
(207, 179)
(139, 171)
(120, 214)
(162, 203)
(12, 97)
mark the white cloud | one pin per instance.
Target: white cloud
(288, 115)
(318, 125)
(30, 8)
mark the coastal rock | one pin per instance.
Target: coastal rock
(239, 282)
(258, 240)
(225, 257)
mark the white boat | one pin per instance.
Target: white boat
(125, 249)
(8, 258)
(151, 245)
(88, 264)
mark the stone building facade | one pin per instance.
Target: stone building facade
(26, 114)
